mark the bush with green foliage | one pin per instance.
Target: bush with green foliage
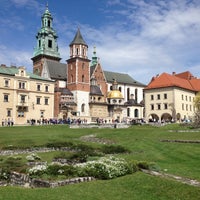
(105, 168)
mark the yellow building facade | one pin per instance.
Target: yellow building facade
(24, 97)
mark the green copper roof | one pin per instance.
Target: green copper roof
(78, 39)
(11, 71)
(47, 38)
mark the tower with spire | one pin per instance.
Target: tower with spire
(78, 73)
(47, 47)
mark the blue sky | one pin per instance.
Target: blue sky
(140, 37)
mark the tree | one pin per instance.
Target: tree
(197, 110)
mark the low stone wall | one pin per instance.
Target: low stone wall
(117, 125)
(182, 141)
(24, 180)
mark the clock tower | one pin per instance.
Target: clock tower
(47, 47)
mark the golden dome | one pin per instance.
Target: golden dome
(115, 94)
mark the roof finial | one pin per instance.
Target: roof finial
(47, 5)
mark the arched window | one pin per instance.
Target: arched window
(111, 87)
(128, 93)
(76, 51)
(128, 112)
(136, 112)
(49, 23)
(120, 89)
(83, 107)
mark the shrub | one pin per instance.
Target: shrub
(59, 144)
(112, 149)
(143, 165)
(105, 168)
(4, 174)
(12, 163)
(33, 157)
(37, 170)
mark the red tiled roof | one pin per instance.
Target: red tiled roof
(183, 80)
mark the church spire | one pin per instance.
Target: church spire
(47, 38)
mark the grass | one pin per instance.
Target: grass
(145, 144)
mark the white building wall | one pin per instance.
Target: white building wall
(81, 98)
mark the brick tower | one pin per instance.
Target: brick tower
(78, 74)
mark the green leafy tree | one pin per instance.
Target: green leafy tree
(197, 110)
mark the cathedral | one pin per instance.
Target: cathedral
(83, 90)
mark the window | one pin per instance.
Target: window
(50, 43)
(46, 88)
(128, 112)
(22, 98)
(72, 78)
(76, 51)
(136, 95)
(165, 96)
(152, 97)
(38, 87)
(136, 112)
(158, 96)
(182, 106)
(6, 83)
(39, 43)
(83, 78)
(21, 85)
(46, 101)
(83, 107)
(38, 100)
(182, 97)
(159, 107)
(9, 113)
(49, 23)
(186, 98)
(5, 98)
(128, 93)
(152, 107)
(20, 113)
(42, 113)
(120, 89)
(165, 106)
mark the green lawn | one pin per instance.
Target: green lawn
(145, 144)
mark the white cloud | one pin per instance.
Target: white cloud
(166, 38)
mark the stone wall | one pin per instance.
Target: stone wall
(117, 125)
(25, 181)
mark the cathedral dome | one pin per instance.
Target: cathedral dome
(115, 94)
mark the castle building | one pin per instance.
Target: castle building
(24, 96)
(82, 88)
(170, 97)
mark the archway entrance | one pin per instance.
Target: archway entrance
(166, 117)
